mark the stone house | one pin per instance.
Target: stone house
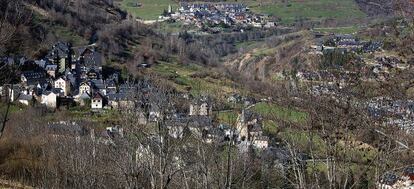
(197, 126)
(201, 107)
(120, 101)
(248, 125)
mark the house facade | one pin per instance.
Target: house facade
(248, 126)
(261, 142)
(64, 85)
(98, 101)
(49, 99)
(51, 70)
(85, 87)
(201, 107)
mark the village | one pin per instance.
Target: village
(216, 17)
(73, 76)
(206, 94)
(374, 67)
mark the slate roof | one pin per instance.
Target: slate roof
(60, 49)
(85, 96)
(47, 93)
(35, 77)
(93, 60)
(117, 96)
(51, 67)
(41, 63)
(389, 178)
(98, 83)
(98, 96)
(78, 52)
(25, 97)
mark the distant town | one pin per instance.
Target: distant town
(217, 16)
(396, 111)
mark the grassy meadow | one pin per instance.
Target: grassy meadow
(148, 9)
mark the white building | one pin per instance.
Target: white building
(13, 92)
(85, 87)
(98, 101)
(64, 85)
(261, 142)
(50, 100)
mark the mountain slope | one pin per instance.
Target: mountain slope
(387, 8)
(267, 61)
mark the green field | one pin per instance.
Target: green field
(183, 78)
(292, 10)
(288, 11)
(67, 35)
(228, 117)
(287, 114)
(148, 9)
(174, 27)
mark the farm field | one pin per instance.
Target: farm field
(288, 11)
(148, 9)
(316, 10)
(272, 110)
(189, 78)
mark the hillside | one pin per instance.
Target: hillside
(40, 24)
(387, 8)
(266, 61)
(326, 12)
(147, 9)
(322, 99)
(318, 11)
